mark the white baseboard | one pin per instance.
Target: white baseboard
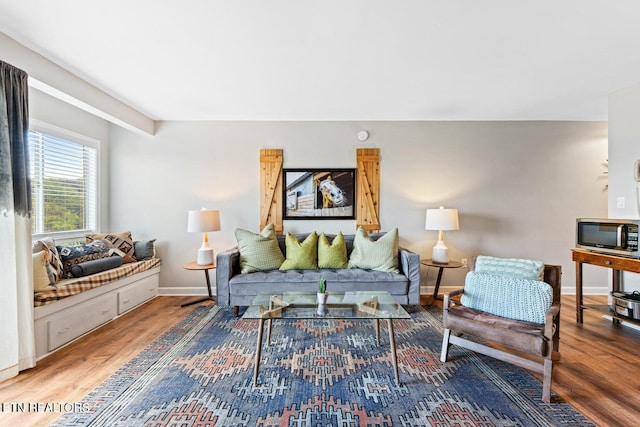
(187, 292)
(600, 290)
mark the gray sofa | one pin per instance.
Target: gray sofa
(236, 289)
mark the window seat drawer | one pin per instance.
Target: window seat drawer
(135, 294)
(80, 320)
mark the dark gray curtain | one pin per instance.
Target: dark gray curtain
(14, 137)
(17, 335)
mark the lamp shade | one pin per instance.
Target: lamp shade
(203, 221)
(442, 219)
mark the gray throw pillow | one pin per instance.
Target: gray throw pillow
(145, 249)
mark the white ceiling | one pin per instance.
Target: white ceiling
(342, 60)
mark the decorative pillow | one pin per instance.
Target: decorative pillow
(96, 266)
(75, 254)
(332, 255)
(117, 252)
(41, 280)
(259, 252)
(381, 254)
(145, 249)
(121, 241)
(54, 266)
(510, 297)
(303, 256)
(512, 267)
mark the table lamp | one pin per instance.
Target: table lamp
(204, 221)
(441, 219)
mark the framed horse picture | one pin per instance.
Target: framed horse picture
(319, 193)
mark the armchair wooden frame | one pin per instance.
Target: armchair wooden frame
(504, 339)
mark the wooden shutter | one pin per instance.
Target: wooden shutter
(367, 212)
(271, 188)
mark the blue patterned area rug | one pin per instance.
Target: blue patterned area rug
(316, 373)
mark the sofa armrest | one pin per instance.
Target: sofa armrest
(227, 263)
(409, 264)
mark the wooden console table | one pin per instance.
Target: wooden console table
(616, 263)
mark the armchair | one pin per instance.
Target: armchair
(531, 345)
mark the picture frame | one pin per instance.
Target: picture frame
(328, 193)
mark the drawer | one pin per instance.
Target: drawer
(610, 261)
(80, 320)
(137, 293)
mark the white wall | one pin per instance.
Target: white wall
(624, 150)
(519, 186)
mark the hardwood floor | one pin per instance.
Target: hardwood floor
(599, 372)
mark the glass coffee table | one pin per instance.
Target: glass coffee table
(345, 305)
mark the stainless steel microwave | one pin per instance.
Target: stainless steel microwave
(610, 236)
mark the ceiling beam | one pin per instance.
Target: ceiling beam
(54, 80)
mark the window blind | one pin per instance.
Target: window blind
(64, 184)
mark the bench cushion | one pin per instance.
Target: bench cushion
(69, 287)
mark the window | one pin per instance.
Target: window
(64, 170)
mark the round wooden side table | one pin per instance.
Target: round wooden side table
(195, 266)
(441, 266)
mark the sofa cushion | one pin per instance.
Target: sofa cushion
(96, 266)
(121, 243)
(381, 254)
(301, 255)
(514, 267)
(75, 254)
(338, 280)
(259, 252)
(510, 297)
(54, 266)
(334, 254)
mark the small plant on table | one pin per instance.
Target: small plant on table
(322, 285)
(322, 291)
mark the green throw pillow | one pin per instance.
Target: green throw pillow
(302, 256)
(381, 254)
(259, 252)
(332, 255)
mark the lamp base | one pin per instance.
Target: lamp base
(205, 256)
(440, 253)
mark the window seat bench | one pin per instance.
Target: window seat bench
(80, 305)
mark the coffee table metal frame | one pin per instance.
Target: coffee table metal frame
(340, 305)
